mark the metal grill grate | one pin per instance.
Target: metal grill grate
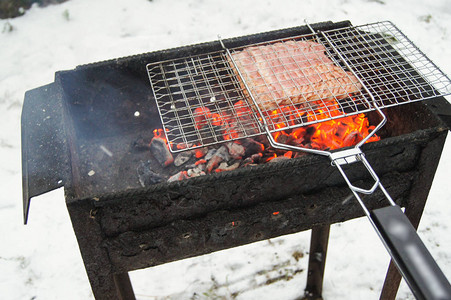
(296, 82)
(289, 83)
(200, 101)
(393, 69)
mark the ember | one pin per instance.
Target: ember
(328, 135)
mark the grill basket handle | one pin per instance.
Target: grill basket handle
(400, 238)
(410, 255)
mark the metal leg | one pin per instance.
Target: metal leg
(124, 286)
(391, 283)
(317, 262)
(104, 283)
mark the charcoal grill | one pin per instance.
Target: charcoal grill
(214, 81)
(77, 133)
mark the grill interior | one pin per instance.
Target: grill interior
(108, 137)
(103, 123)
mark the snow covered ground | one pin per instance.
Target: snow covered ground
(42, 260)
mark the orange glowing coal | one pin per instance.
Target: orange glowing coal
(159, 133)
(325, 135)
(203, 116)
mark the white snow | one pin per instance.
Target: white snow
(42, 260)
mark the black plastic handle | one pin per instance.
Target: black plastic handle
(411, 256)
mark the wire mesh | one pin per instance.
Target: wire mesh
(289, 83)
(389, 64)
(296, 82)
(200, 101)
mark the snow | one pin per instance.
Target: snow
(42, 260)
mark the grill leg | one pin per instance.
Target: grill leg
(391, 283)
(124, 286)
(105, 284)
(317, 262)
(109, 287)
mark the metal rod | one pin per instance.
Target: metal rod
(263, 119)
(423, 55)
(373, 100)
(309, 27)
(317, 261)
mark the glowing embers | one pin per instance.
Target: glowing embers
(244, 152)
(324, 135)
(232, 124)
(159, 148)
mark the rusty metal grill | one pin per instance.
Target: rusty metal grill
(205, 99)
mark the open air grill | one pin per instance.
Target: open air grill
(89, 132)
(290, 83)
(391, 69)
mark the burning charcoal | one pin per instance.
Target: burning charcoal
(223, 152)
(220, 155)
(181, 146)
(279, 158)
(270, 152)
(200, 162)
(210, 153)
(146, 176)
(288, 154)
(351, 139)
(179, 176)
(182, 158)
(298, 142)
(201, 116)
(201, 166)
(200, 152)
(251, 165)
(190, 172)
(300, 153)
(160, 151)
(248, 162)
(236, 151)
(284, 138)
(263, 139)
(195, 172)
(252, 146)
(256, 157)
(213, 163)
(225, 167)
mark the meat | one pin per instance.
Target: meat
(291, 73)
